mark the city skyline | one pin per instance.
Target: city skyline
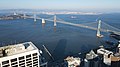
(84, 5)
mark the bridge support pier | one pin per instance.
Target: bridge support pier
(43, 23)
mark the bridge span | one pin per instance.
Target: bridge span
(105, 27)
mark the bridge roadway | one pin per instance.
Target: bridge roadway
(78, 25)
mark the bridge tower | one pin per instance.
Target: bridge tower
(55, 21)
(24, 16)
(14, 13)
(34, 17)
(98, 29)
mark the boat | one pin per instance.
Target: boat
(73, 17)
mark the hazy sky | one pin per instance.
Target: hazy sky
(61, 4)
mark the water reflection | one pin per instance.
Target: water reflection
(55, 28)
(43, 25)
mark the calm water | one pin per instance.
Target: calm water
(61, 41)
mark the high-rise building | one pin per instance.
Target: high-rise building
(19, 55)
(106, 55)
(91, 60)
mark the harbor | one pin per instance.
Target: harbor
(60, 33)
(62, 41)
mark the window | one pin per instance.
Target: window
(34, 54)
(20, 58)
(27, 56)
(5, 62)
(13, 60)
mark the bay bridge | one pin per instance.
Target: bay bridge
(98, 26)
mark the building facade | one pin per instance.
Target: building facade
(20, 55)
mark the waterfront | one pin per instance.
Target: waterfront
(66, 40)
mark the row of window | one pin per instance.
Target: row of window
(35, 60)
(14, 62)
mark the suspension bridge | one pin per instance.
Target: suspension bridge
(98, 26)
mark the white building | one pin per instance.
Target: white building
(73, 62)
(91, 55)
(106, 55)
(19, 55)
(90, 61)
(119, 47)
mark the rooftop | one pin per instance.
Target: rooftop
(73, 61)
(91, 55)
(16, 49)
(104, 51)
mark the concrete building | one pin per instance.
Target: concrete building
(115, 60)
(72, 62)
(19, 55)
(91, 60)
(118, 47)
(106, 55)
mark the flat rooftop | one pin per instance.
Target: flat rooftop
(16, 49)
